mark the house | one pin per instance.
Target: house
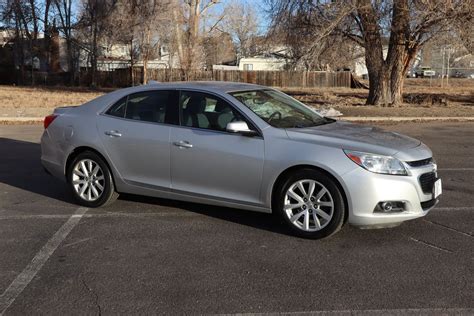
(117, 56)
(42, 53)
(262, 62)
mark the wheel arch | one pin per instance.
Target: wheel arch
(285, 173)
(78, 150)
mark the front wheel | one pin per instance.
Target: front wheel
(310, 204)
(91, 180)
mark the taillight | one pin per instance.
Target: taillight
(48, 120)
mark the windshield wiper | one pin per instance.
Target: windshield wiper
(326, 120)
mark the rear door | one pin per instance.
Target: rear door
(208, 161)
(135, 132)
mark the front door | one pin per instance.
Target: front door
(210, 162)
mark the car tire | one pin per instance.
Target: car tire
(324, 214)
(91, 181)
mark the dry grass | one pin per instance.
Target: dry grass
(38, 102)
(455, 100)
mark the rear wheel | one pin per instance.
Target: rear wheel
(91, 180)
(310, 204)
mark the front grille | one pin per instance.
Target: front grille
(427, 181)
(428, 204)
(420, 163)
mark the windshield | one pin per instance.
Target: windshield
(279, 109)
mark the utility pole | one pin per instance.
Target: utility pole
(442, 68)
(447, 67)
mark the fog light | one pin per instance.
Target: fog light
(386, 206)
(390, 207)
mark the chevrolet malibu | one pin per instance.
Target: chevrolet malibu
(242, 146)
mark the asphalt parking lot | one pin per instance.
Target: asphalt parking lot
(145, 255)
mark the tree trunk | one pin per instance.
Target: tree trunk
(379, 79)
(94, 55)
(179, 40)
(70, 62)
(47, 36)
(396, 86)
(132, 63)
(145, 72)
(31, 62)
(146, 55)
(379, 88)
(398, 49)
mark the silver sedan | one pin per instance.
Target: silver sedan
(243, 146)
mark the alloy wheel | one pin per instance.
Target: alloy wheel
(308, 205)
(88, 180)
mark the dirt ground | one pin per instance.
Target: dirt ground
(423, 97)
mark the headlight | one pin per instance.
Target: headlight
(377, 163)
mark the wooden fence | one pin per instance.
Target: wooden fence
(122, 77)
(308, 79)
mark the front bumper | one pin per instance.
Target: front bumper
(366, 190)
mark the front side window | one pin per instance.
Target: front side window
(206, 111)
(279, 109)
(147, 106)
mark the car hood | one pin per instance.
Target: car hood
(356, 137)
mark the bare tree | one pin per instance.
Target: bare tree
(123, 21)
(187, 15)
(141, 25)
(24, 16)
(13, 16)
(218, 48)
(406, 25)
(153, 17)
(94, 20)
(241, 21)
(307, 29)
(67, 19)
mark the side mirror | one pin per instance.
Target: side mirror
(240, 127)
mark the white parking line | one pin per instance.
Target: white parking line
(59, 216)
(25, 277)
(455, 169)
(461, 208)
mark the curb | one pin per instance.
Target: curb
(406, 119)
(21, 119)
(32, 120)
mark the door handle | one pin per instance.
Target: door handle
(183, 144)
(113, 133)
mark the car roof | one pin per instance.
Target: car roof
(215, 86)
(218, 87)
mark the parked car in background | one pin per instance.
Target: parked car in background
(459, 74)
(424, 72)
(242, 146)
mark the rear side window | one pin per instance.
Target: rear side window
(147, 106)
(118, 109)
